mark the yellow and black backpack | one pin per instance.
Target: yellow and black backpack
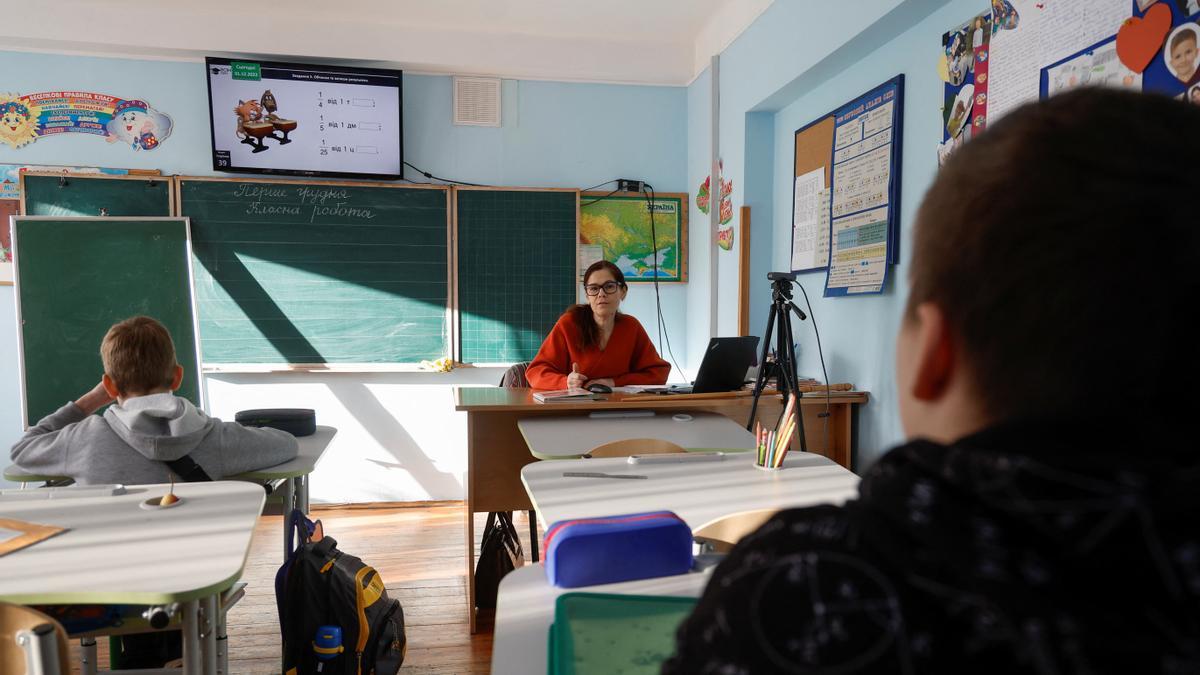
(334, 612)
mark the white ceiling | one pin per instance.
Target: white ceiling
(635, 41)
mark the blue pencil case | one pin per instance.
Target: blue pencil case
(590, 551)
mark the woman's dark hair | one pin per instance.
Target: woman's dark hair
(589, 332)
(1061, 245)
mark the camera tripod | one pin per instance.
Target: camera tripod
(784, 366)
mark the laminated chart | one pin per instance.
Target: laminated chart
(864, 189)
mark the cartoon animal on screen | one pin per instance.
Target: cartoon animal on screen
(138, 125)
(18, 121)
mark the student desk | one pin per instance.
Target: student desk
(115, 552)
(293, 473)
(572, 437)
(697, 491)
(496, 450)
(525, 610)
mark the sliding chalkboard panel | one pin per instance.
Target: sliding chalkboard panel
(96, 195)
(302, 272)
(75, 278)
(517, 257)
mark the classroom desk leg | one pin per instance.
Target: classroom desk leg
(191, 637)
(289, 503)
(208, 636)
(87, 656)
(470, 526)
(302, 493)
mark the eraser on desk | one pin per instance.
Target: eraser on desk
(295, 421)
(588, 551)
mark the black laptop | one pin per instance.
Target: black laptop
(724, 365)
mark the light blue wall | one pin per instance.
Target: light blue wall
(553, 135)
(699, 164)
(798, 61)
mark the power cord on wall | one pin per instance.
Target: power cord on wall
(444, 180)
(648, 190)
(813, 319)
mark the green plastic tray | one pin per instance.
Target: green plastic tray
(611, 634)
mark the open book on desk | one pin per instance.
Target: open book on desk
(565, 395)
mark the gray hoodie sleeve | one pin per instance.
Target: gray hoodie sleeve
(46, 448)
(249, 448)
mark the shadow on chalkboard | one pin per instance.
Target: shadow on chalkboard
(271, 322)
(389, 433)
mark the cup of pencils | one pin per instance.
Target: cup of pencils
(772, 444)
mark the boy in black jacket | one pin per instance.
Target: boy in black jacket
(1045, 516)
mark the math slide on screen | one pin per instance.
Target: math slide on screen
(274, 116)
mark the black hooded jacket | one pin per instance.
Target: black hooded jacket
(1026, 548)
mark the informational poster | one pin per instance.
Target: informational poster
(1097, 67)
(130, 122)
(1036, 34)
(864, 189)
(807, 233)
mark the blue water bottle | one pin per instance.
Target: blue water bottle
(327, 644)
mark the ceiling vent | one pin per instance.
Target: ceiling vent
(477, 101)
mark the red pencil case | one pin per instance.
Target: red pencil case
(589, 551)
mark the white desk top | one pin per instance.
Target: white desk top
(310, 452)
(698, 492)
(575, 436)
(117, 552)
(312, 448)
(525, 610)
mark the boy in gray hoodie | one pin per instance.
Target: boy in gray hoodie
(148, 426)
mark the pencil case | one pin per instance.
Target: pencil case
(589, 551)
(295, 421)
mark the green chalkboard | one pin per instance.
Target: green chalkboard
(95, 195)
(517, 252)
(301, 272)
(76, 277)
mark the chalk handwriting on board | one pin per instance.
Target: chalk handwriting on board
(315, 201)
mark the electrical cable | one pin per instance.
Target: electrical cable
(615, 180)
(813, 318)
(444, 180)
(648, 190)
(589, 203)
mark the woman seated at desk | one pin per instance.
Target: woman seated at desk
(595, 344)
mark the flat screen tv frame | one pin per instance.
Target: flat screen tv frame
(210, 61)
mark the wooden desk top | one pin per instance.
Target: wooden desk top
(513, 399)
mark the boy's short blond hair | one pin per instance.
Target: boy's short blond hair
(139, 356)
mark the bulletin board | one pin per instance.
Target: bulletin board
(846, 192)
(1017, 51)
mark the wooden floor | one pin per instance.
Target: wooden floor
(417, 548)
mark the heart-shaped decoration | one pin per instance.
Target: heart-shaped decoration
(1139, 39)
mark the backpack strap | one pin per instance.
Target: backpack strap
(188, 470)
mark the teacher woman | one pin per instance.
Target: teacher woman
(595, 344)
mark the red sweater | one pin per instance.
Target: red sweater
(628, 358)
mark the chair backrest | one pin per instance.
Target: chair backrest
(13, 620)
(635, 446)
(721, 534)
(515, 375)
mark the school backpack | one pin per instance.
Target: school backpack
(334, 613)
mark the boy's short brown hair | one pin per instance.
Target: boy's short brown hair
(1182, 37)
(1061, 245)
(139, 356)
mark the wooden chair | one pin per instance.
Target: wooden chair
(721, 534)
(515, 377)
(31, 642)
(635, 446)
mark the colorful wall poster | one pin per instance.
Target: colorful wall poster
(618, 228)
(24, 118)
(963, 66)
(865, 191)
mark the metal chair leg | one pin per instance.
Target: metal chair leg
(533, 538)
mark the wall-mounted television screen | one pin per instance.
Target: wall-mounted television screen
(305, 120)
